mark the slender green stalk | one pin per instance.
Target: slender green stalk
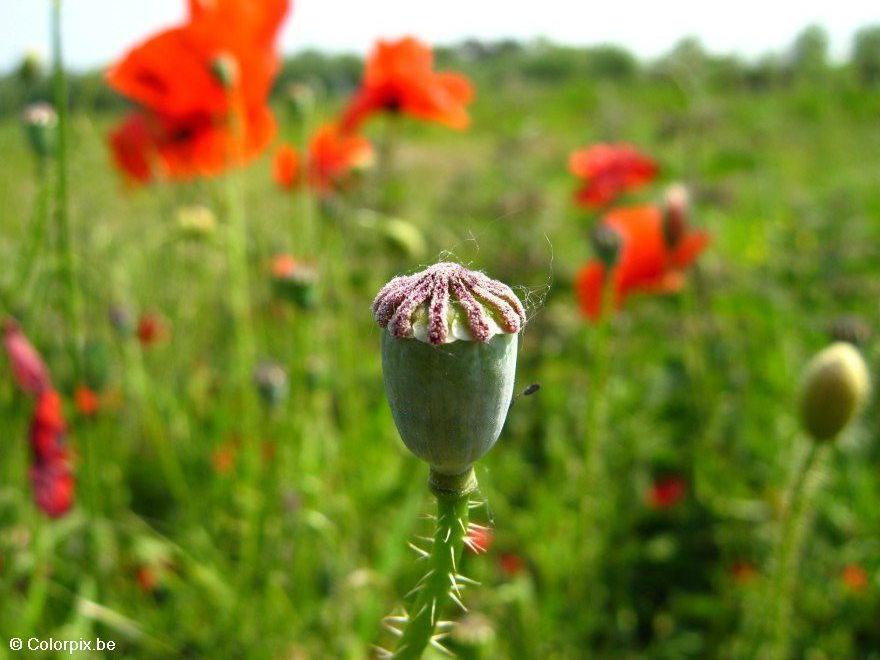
(442, 582)
(36, 234)
(796, 523)
(39, 585)
(66, 258)
(597, 483)
(244, 343)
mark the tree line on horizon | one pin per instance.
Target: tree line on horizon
(806, 60)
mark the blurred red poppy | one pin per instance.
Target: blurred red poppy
(286, 166)
(511, 564)
(51, 473)
(855, 578)
(666, 493)
(86, 400)
(147, 578)
(151, 329)
(607, 171)
(334, 155)
(48, 429)
(203, 88)
(28, 368)
(743, 572)
(399, 77)
(646, 262)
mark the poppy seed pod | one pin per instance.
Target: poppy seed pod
(835, 387)
(449, 360)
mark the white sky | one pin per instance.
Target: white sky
(96, 31)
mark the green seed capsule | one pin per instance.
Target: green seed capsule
(835, 387)
(449, 402)
(449, 360)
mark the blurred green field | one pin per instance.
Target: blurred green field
(701, 385)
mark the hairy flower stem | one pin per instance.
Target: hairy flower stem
(795, 525)
(442, 582)
(66, 259)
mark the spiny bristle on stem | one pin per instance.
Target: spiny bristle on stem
(442, 584)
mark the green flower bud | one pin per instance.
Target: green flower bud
(449, 361)
(294, 281)
(835, 387)
(676, 210)
(606, 244)
(41, 128)
(224, 68)
(31, 68)
(196, 222)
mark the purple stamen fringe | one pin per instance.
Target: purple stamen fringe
(477, 294)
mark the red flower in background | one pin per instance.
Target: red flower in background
(855, 578)
(286, 166)
(28, 368)
(666, 493)
(334, 156)
(86, 400)
(743, 572)
(51, 473)
(511, 564)
(203, 90)
(607, 171)
(399, 77)
(151, 329)
(646, 261)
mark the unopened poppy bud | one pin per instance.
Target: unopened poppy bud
(301, 97)
(41, 127)
(294, 280)
(675, 214)
(31, 68)
(122, 319)
(606, 244)
(404, 237)
(835, 387)
(196, 222)
(272, 383)
(449, 360)
(96, 364)
(224, 68)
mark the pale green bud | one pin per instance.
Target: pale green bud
(835, 387)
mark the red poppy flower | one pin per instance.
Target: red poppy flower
(151, 329)
(646, 262)
(743, 572)
(855, 578)
(87, 401)
(203, 88)
(28, 368)
(48, 429)
(54, 487)
(607, 171)
(334, 155)
(399, 77)
(147, 578)
(666, 493)
(51, 474)
(511, 564)
(286, 166)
